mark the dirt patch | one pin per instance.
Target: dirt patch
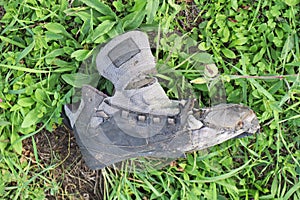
(59, 148)
(2, 12)
(189, 17)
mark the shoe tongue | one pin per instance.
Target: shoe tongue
(123, 52)
(126, 57)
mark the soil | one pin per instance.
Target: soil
(189, 18)
(77, 181)
(2, 12)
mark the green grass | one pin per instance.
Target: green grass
(255, 45)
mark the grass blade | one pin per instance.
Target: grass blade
(221, 177)
(26, 51)
(289, 193)
(100, 7)
(10, 41)
(24, 69)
